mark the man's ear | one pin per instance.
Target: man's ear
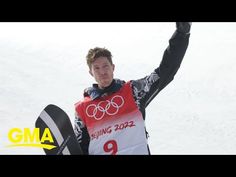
(113, 67)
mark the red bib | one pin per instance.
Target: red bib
(114, 123)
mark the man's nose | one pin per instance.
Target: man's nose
(102, 71)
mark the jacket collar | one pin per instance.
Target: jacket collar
(95, 92)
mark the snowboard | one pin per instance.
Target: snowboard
(54, 119)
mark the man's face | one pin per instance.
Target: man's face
(102, 71)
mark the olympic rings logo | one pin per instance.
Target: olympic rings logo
(105, 107)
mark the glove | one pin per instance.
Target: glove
(183, 27)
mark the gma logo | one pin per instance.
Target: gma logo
(27, 138)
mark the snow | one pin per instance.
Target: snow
(43, 63)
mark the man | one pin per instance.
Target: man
(110, 118)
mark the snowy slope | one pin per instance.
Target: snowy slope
(42, 63)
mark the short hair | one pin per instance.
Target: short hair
(97, 52)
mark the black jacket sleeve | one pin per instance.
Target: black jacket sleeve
(172, 58)
(147, 88)
(81, 133)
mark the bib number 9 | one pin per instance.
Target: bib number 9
(111, 147)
